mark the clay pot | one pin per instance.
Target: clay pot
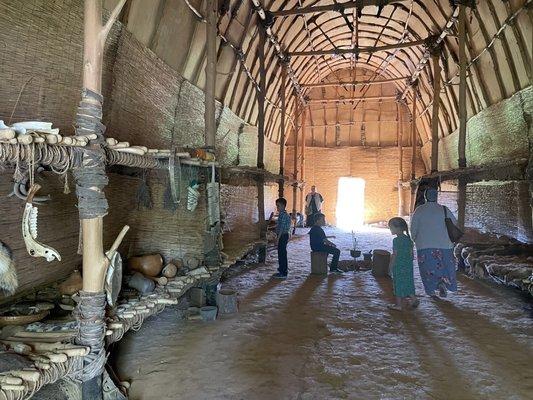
(170, 271)
(73, 284)
(140, 283)
(149, 265)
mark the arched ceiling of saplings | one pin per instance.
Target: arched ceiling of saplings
(499, 50)
(379, 121)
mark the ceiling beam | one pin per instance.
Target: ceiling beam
(351, 99)
(357, 50)
(350, 123)
(356, 83)
(332, 7)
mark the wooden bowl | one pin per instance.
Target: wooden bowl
(22, 319)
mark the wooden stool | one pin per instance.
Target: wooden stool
(319, 263)
(227, 302)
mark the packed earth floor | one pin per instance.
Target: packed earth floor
(333, 337)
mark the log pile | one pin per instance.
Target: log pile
(501, 260)
(131, 313)
(40, 144)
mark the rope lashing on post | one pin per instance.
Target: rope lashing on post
(91, 179)
(89, 116)
(90, 313)
(90, 182)
(90, 176)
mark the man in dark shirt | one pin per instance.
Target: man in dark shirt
(282, 231)
(319, 242)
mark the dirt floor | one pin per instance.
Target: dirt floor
(333, 337)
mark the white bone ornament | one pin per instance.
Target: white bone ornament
(29, 230)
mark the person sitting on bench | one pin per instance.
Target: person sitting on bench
(319, 242)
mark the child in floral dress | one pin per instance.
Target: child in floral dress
(402, 266)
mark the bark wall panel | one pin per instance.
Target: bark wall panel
(152, 105)
(157, 230)
(238, 206)
(498, 133)
(501, 208)
(144, 98)
(174, 32)
(378, 167)
(41, 61)
(143, 19)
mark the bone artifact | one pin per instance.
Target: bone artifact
(29, 230)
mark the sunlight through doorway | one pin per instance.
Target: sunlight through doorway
(350, 203)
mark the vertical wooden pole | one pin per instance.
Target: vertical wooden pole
(261, 217)
(295, 165)
(210, 73)
(261, 141)
(93, 251)
(282, 141)
(261, 100)
(302, 161)
(90, 178)
(414, 141)
(399, 134)
(462, 87)
(435, 114)
(461, 203)
(413, 136)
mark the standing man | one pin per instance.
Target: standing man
(283, 227)
(313, 206)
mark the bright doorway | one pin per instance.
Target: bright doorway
(350, 203)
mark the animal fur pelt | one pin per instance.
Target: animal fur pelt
(8, 273)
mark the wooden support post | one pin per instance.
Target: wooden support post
(210, 73)
(399, 134)
(282, 140)
(261, 141)
(413, 135)
(435, 115)
(93, 170)
(462, 87)
(261, 216)
(302, 162)
(261, 99)
(295, 165)
(413, 148)
(461, 203)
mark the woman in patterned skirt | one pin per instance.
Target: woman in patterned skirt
(434, 247)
